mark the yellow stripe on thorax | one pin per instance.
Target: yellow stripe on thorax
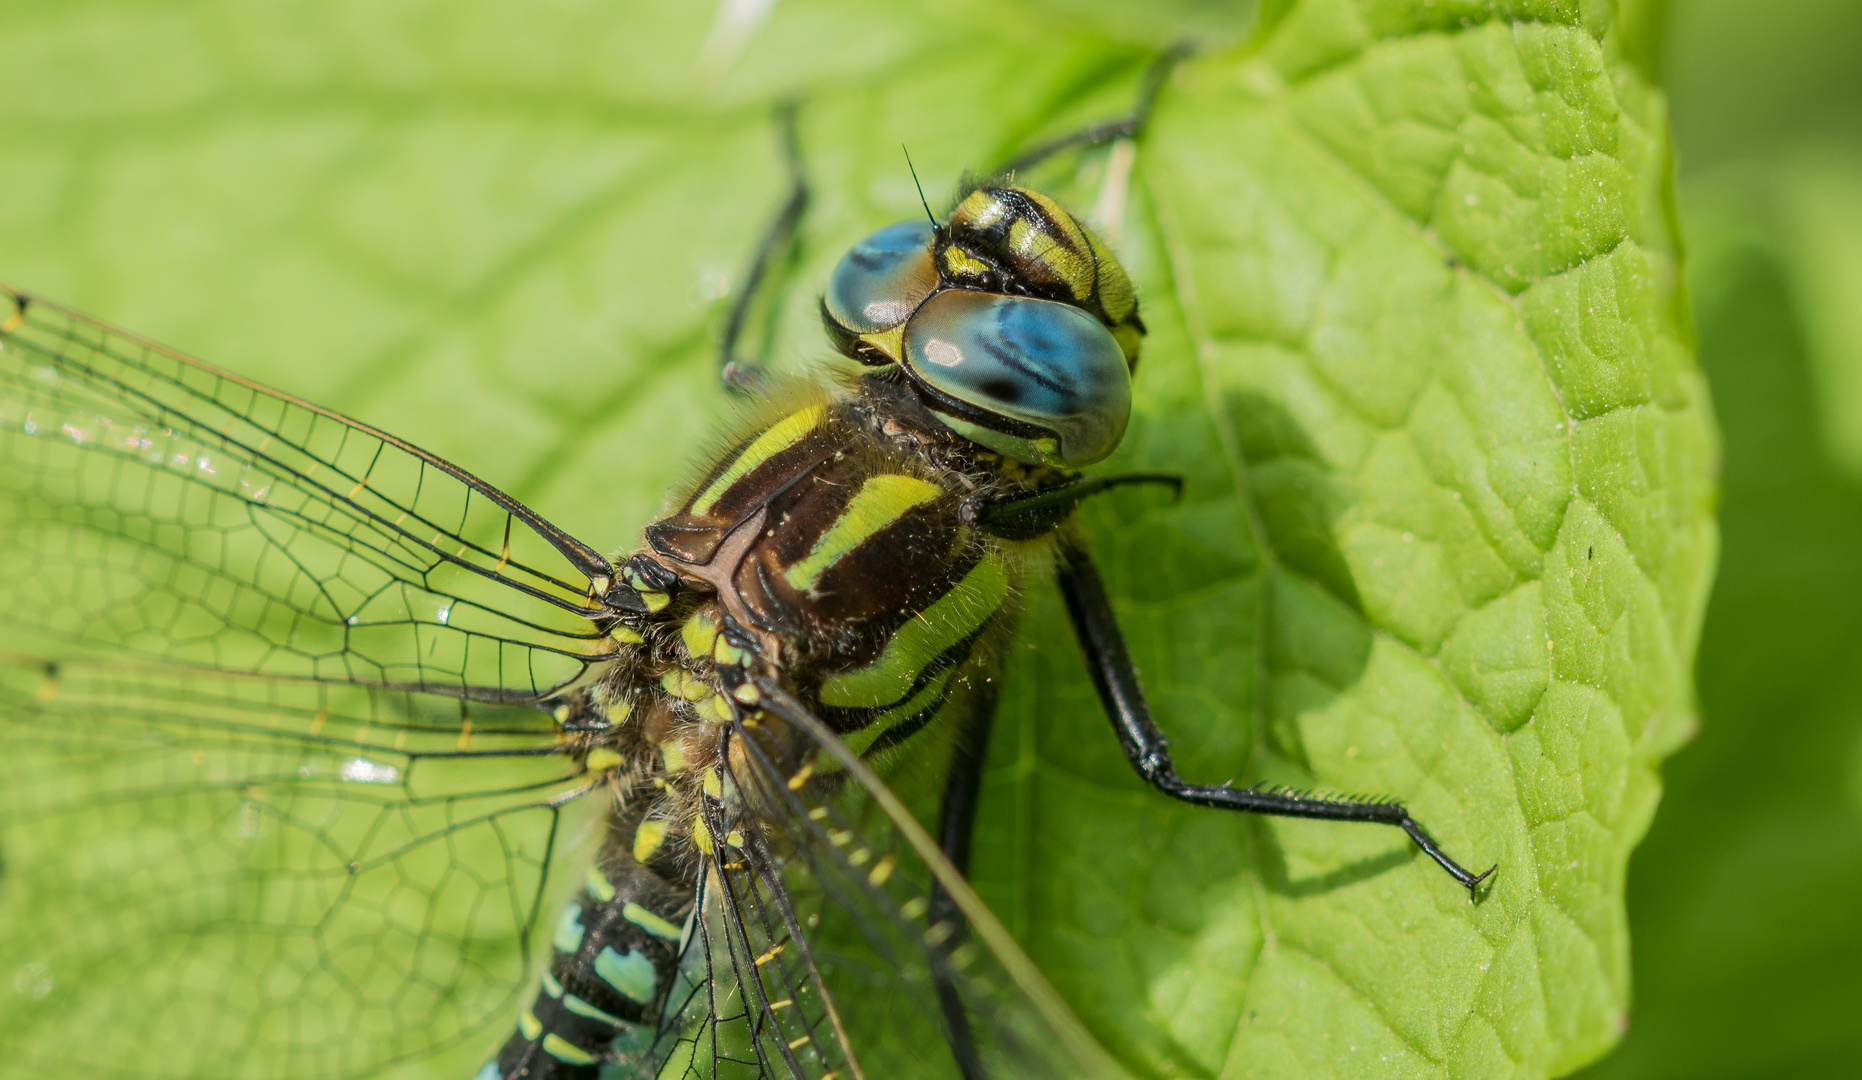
(880, 502)
(956, 615)
(862, 740)
(781, 435)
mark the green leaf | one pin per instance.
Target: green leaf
(1416, 347)
(1739, 896)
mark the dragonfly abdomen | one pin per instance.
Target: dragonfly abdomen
(614, 953)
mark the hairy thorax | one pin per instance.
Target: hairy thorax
(832, 548)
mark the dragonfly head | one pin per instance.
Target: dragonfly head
(1014, 323)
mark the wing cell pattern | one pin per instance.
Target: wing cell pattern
(157, 505)
(211, 875)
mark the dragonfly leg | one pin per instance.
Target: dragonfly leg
(1145, 746)
(745, 375)
(1129, 126)
(963, 785)
(1023, 517)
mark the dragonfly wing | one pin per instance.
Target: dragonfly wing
(824, 949)
(156, 505)
(209, 875)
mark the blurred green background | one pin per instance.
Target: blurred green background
(1748, 955)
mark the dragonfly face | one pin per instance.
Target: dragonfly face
(1012, 321)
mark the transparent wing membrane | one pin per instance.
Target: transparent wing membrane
(154, 504)
(824, 953)
(213, 875)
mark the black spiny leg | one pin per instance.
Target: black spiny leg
(1024, 517)
(1145, 746)
(747, 375)
(1127, 127)
(956, 820)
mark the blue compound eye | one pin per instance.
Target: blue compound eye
(878, 284)
(1042, 382)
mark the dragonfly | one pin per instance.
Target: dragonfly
(313, 744)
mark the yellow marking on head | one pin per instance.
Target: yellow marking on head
(598, 885)
(601, 759)
(748, 694)
(1065, 222)
(879, 503)
(655, 600)
(954, 616)
(649, 838)
(889, 343)
(781, 435)
(726, 654)
(1129, 338)
(882, 870)
(1066, 264)
(980, 209)
(699, 634)
(1115, 291)
(961, 263)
